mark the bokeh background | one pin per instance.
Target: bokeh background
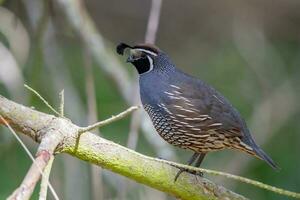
(248, 50)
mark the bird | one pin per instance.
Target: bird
(186, 111)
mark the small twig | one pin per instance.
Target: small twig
(43, 100)
(109, 120)
(234, 177)
(34, 166)
(62, 103)
(45, 179)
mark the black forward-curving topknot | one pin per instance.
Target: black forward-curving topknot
(149, 47)
(121, 48)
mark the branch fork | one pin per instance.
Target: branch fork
(50, 135)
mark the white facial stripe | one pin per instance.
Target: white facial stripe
(151, 63)
(147, 51)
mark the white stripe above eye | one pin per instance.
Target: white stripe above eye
(147, 51)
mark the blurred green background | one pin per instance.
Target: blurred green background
(248, 50)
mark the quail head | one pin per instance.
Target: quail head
(187, 112)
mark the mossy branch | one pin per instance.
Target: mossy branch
(110, 155)
(153, 172)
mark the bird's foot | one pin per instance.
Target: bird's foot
(196, 173)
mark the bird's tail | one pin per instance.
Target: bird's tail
(258, 152)
(262, 155)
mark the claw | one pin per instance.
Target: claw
(188, 171)
(178, 173)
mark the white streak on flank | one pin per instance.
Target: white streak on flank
(162, 105)
(215, 124)
(196, 129)
(190, 126)
(167, 110)
(172, 97)
(186, 110)
(175, 120)
(169, 93)
(179, 115)
(177, 92)
(185, 99)
(205, 116)
(176, 106)
(179, 125)
(147, 51)
(174, 86)
(246, 146)
(189, 119)
(189, 104)
(201, 119)
(195, 119)
(197, 136)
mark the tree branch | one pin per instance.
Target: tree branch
(94, 149)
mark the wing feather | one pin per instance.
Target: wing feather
(202, 112)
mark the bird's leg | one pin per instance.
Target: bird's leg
(192, 159)
(199, 161)
(195, 156)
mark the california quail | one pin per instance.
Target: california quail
(187, 112)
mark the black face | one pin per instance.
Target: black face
(141, 56)
(142, 62)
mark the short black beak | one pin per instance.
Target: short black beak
(130, 59)
(121, 48)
